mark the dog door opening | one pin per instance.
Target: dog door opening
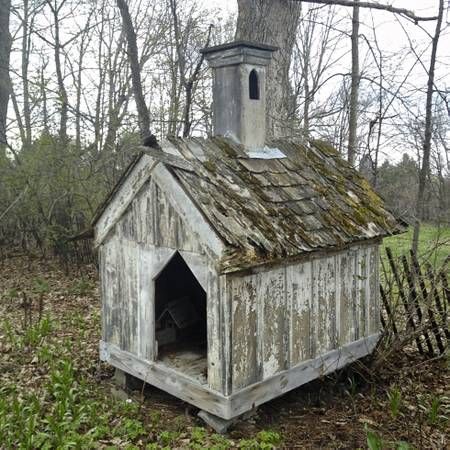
(180, 313)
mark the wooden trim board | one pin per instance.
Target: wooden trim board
(187, 210)
(121, 199)
(166, 379)
(263, 391)
(243, 400)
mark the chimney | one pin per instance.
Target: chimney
(239, 91)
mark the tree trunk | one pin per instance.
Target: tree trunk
(26, 43)
(272, 22)
(143, 113)
(43, 89)
(354, 89)
(425, 168)
(5, 82)
(63, 97)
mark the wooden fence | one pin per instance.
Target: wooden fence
(415, 302)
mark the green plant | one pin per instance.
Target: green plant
(81, 287)
(264, 440)
(45, 354)
(12, 293)
(40, 286)
(374, 441)
(401, 445)
(131, 429)
(395, 401)
(36, 333)
(155, 417)
(166, 438)
(11, 336)
(352, 387)
(437, 410)
(198, 434)
(220, 442)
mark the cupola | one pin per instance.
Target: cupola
(239, 91)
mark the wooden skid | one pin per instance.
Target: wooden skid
(229, 407)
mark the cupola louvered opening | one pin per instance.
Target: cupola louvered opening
(253, 85)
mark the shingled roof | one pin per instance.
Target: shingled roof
(268, 209)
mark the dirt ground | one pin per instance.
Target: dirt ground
(406, 400)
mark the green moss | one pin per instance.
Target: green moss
(225, 147)
(210, 166)
(324, 147)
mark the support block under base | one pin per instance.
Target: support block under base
(220, 425)
(126, 381)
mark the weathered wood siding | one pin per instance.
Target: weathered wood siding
(139, 245)
(283, 316)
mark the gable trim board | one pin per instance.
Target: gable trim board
(120, 198)
(188, 210)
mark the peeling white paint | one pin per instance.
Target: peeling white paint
(353, 196)
(265, 153)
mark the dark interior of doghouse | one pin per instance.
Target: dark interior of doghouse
(180, 314)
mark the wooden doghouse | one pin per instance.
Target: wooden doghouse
(272, 245)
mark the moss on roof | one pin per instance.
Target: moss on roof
(267, 209)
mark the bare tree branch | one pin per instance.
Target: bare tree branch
(143, 113)
(389, 8)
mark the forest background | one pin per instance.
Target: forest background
(372, 81)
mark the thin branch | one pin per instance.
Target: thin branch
(389, 8)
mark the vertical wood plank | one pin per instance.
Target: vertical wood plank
(146, 306)
(324, 293)
(337, 301)
(273, 309)
(373, 291)
(346, 302)
(244, 323)
(298, 296)
(213, 330)
(103, 297)
(165, 220)
(112, 290)
(226, 327)
(362, 291)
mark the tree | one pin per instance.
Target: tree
(272, 22)
(425, 167)
(133, 56)
(5, 83)
(188, 75)
(353, 106)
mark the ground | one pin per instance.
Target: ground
(434, 243)
(54, 392)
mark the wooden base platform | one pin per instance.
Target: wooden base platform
(190, 362)
(193, 391)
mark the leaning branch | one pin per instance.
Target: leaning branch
(128, 28)
(389, 8)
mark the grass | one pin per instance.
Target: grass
(434, 243)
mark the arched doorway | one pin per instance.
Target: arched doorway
(180, 319)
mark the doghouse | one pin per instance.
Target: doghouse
(235, 268)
